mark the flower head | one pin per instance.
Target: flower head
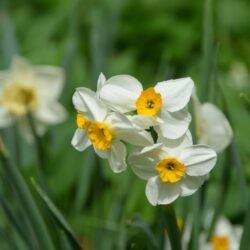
(104, 130)
(162, 106)
(172, 168)
(26, 89)
(225, 237)
(212, 125)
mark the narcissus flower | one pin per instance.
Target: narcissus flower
(104, 130)
(212, 125)
(163, 106)
(225, 237)
(172, 168)
(28, 89)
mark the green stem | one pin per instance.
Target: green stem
(28, 203)
(40, 153)
(223, 188)
(171, 225)
(38, 142)
(207, 49)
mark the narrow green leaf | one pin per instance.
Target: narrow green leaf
(172, 227)
(84, 180)
(28, 203)
(64, 243)
(222, 191)
(137, 222)
(207, 49)
(197, 198)
(8, 41)
(239, 172)
(245, 239)
(58, 216)
(15, 222)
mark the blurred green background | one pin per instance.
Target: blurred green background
(153, 40)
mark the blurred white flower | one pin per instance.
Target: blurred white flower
(212, 125)
(162, 106)
(104, 130)
(31, 89)
(225, 237)
(238, 75)
(172, 168)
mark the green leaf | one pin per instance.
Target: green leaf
(207, 49)
(245, 239)
(137, 222)
(58, 216)
(171, 226)
(222, 191)
(8, 41)
(27, 200)
(15, 222)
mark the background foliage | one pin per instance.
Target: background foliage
(154, 41)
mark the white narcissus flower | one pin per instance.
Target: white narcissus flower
(225, 237)
(172, 168)
(31, 89)
(163, 106)
(212, 125)
(104, 130)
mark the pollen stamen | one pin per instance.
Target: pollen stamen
(19, 99)
(101, 135)
(149, 102)
(171, 170)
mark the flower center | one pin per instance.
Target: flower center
(100, 135)
(19, 99)
(171, 170)
(149, 102)
(82, 121)
(220, 242)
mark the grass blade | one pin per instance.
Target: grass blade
(58, 216)
(27, 200)
(207, 49)
(172, 227)
(245, 239)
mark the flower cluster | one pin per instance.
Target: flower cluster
(156, 121)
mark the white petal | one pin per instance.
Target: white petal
(117, 156)
(20, 65)
(49, 80)
(85, 100)
(21, 71)
(158, 192)
(100, 83)
(50, 113)
(223, 227)
(189, 184)
(174, 147)
(101, 153)
(5, 118)
(121, 92)
(144, 160)
(199, 159)
(143, 121)
(125, 130)
(175, 93)
(216, 130)
(152, 191)
(80, 140)
(175, 124)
